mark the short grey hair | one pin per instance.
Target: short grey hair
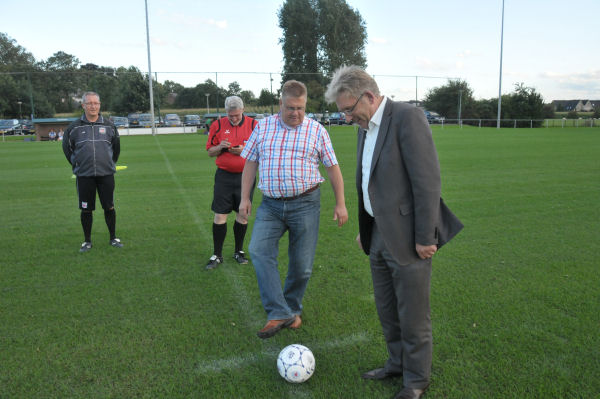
(233, 102)
(89, 93)
(351, 80)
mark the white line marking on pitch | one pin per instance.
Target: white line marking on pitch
(235, 362)
(242, 296)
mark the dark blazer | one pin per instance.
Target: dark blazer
(404, 186)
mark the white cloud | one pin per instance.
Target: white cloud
(219, 24)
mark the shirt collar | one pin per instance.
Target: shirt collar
(288, 127)
(378, 115)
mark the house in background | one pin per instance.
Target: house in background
(575, 105)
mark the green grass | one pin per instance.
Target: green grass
(515, 297)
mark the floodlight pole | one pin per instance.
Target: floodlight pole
(20, 114)
(271, 79)
(207, 95)
(416, 92)
(500, 79)
(459, 106)
(150, 70)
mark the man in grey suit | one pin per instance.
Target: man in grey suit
(402, 219)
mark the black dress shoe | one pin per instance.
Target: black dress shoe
(410, 393)
(379, 374)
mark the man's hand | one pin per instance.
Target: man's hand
(237, 150)
(224, 145)
(358, 242)
(340, 213)
(426, 251)
(245, 209)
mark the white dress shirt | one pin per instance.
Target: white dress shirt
(367, 156)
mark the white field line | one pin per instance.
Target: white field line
(235, 362)
(182, 192)
(243, 299)
(241, 295)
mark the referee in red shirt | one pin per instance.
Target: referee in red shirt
(226, 141)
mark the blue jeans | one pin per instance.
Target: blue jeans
(300, 217)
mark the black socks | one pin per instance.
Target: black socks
(219, 233)
(239, 231)
(86, 222)
(111, 220)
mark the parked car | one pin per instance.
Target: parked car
(27, 126)
(313, 116)
(10, 126)
(337, 118)
(134, 119)
(207, 119)
(120, 121)
(433, 117)
(145, 120)
(192, 120)
(172, 120)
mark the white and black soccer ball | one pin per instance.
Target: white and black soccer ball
(296, 363)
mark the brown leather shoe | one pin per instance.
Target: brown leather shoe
(297, 323)
(273, 326)
(410, 393)
(379, 374)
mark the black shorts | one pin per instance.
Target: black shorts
(86, 191)
(227, 192)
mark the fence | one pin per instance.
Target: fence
(520, 123)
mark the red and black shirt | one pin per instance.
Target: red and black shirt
(222, 129)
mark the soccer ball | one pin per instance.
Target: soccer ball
(296, 363)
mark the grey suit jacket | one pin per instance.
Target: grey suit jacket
(404, 186)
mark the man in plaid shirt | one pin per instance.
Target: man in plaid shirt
(286, 149)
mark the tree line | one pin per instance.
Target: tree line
(457, 97)
(318, 36)
(45, 88)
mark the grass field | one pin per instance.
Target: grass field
(515, 297)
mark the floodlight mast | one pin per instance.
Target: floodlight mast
(150, 71)
(500, 79)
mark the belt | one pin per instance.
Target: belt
(310, 190)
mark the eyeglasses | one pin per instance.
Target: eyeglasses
(350, 110)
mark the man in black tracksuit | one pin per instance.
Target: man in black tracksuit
(91, 145)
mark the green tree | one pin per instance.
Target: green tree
(300, 42)
(342, 36)
(572, 114)
(132, 93)
(548, 111)
(234, 89)
(266, 98)
(318, 37)
(64, 80)
(248, 97)
(102, 80)
(20, 80)
(523, 103)
(446, 100)
(486, 109)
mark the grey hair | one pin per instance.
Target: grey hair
(233, 102)
(89, 93)
(351, 80)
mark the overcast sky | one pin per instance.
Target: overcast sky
(550, 45)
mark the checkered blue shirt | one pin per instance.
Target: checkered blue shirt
(288, 159)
